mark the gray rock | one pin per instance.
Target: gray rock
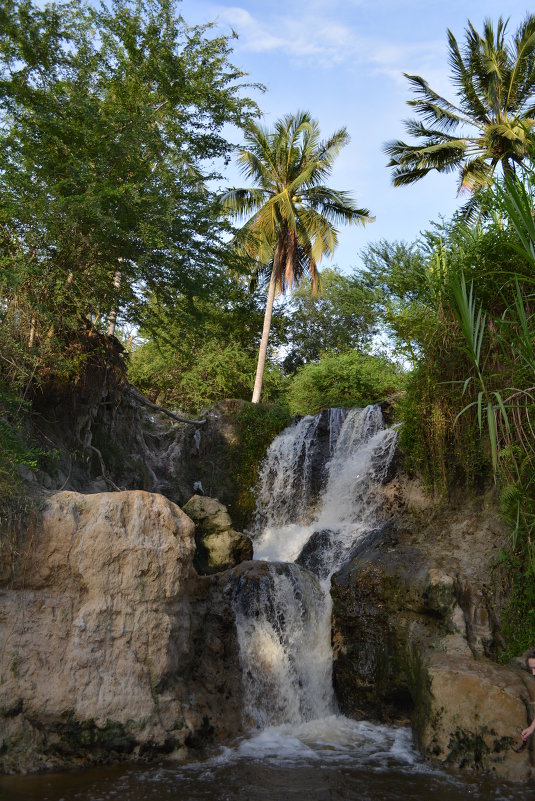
(416, 635)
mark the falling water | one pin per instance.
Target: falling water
(316, 500)
(283, 628)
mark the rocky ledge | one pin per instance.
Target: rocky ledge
(416, 633)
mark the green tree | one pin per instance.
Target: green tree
(349, 379)
(203, 350)
(110, 122)
(291, 216)
(338, 317)
(488, 126)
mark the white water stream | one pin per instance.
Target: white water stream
(316, 501)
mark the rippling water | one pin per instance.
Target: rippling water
(328, 760)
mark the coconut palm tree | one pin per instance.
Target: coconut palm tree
(290, 216)
(491, 121)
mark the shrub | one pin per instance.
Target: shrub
(351, 379)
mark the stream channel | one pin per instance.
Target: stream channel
(315, 503)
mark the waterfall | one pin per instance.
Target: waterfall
(284, 637)
(316, 500)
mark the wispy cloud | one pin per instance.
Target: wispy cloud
(318, 37)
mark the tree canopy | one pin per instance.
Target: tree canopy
(110, 124)
(291, 217)
(489, 124)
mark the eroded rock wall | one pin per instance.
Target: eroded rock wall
(110, 644)
(416, 633)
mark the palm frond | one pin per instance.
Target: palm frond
(243, 202)
(426, 95)
(462, 73)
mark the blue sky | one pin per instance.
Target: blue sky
(343, 60)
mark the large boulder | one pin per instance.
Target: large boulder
(416, 634)
(110, 646)
(219, 547)
(477, 710)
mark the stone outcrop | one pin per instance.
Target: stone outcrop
(110, 645)
(416, 633)
(219, 547)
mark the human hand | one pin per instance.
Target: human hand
(527, 732)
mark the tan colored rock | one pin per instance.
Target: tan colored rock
(223, 551)
(98, 637)
(476, 712)
(219, 546)
(208, 514)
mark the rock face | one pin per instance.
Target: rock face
(110, 645)
(415, 632)
(219, 547)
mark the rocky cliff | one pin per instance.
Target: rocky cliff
(416, 631)
(111, 645)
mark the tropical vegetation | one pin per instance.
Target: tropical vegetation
(291, 217)
(489, 124)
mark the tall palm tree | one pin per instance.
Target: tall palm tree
(290, 215)
(493, 117)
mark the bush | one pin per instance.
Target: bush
(193, 381)
(349, 379)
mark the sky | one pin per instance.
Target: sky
(343, 60)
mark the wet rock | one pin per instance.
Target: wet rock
(219, 546)
(311, 557)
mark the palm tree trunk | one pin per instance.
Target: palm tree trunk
(265, 331)
(112, 317)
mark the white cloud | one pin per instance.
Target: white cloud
(314, 35)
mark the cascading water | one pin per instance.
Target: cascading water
(283, 628)
(316, 500)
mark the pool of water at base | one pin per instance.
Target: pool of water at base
(329, 760)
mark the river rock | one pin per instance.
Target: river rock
(219, 546)
(110, 645)
(416, 634)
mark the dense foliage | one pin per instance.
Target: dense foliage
(350, 379)
(124, 107)
(205, 350)
(338, 317)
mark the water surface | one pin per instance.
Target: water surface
(333, 759)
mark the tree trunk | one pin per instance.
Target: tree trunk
(265, 332)
(112, 318)
(31, 337)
